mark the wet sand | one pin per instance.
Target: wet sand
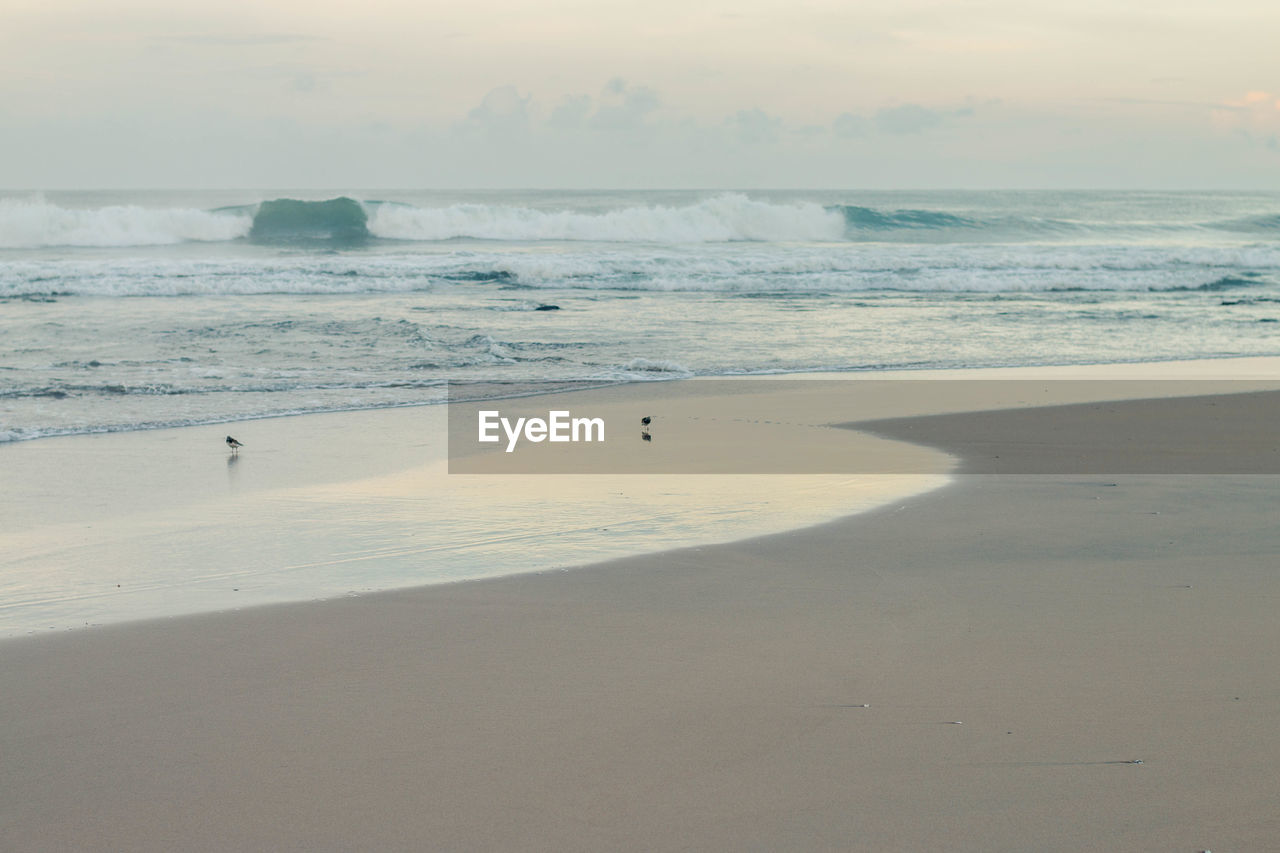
(978, 668)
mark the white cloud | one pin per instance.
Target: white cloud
(623, 106)
(503, 112)
(848, 125)
(1255, 116)
(571, 111)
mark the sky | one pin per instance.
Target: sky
(658, 94)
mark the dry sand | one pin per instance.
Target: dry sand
(974, 669)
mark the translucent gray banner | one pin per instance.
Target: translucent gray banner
(867, 426)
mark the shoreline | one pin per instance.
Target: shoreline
(292, 519)
(1209, 367)
(104, 553)
(979, 667)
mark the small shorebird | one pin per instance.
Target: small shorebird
(233, 444)
(646, 420)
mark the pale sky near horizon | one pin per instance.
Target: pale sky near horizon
(570, 93)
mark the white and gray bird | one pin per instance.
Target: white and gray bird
(233, 444)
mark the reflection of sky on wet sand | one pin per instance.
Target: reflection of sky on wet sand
(141, 525)
(101, 529)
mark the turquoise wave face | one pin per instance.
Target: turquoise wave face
(285, 220)
(868, 218)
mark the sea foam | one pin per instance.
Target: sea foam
(726, 218)
(723, 218)
(33, 224)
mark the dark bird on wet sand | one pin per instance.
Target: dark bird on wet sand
(233, 444)
(646, 420)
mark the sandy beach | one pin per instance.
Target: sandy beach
(576, 428)
(1041, 655)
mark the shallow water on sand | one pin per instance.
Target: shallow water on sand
(112, 528)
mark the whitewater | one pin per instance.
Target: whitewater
(128, 310)
(34, 221)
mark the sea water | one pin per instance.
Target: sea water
(133, 310)
(126, 311)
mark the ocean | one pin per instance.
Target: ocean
(128, 310)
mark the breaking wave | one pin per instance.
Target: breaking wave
(288, 220)
(1262, 225)
(868, 218)
(35, 224)
(725, 218)
(651, 368)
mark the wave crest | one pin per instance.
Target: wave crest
(870, 219)
(288, 220)
(36, 224)
(726, 218)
